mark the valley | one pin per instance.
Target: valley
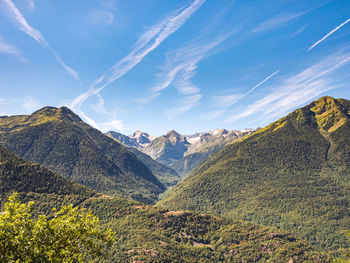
(277, 193)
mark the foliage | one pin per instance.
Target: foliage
(71, 235)
(149, 234)
(62, 142)
(292, 174)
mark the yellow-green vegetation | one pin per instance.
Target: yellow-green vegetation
(145, 233)
(293, 174)
(48, 114)
(148, 234)
(62, 142)
(70, 235)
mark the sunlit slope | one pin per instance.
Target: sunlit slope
(293, 174)
(149, 234)
(58, 139)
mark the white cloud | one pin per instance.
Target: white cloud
(12, 12)
(113, 125)
(328, 35)
(100, 16)
(299, 31)
(30, 104)
(225, 102)
(178, 70)
(16, 16)
(30, 5)
(71, 71)
(276, 22)
(213, 114)
(11, 50)
(185, 104)
(296, 90)
(149, 41)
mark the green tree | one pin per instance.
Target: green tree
(70, 235)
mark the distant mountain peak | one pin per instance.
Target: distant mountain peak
(139, 133)
(172, 133)
(140, 137)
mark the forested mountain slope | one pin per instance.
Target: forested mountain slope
(58, 139)
(293, 174)
(148, 234)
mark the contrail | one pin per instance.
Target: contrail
(21, 23)
(146, 43)
(262, 82)
(329, 34)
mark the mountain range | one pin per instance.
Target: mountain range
(293, 174)
(183, 153)
(148, 234)
(58, 139)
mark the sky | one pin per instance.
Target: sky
(185, 65)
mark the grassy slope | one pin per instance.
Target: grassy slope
(293, 174)
(59, 140)
(151, 234)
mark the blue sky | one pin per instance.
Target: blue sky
(157, 65)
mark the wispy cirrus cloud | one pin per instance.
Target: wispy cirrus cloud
(30, 104)
(179, 68)
(30, 5)
(185, 104)
(225, 102)
(21, 23)
(328, 35)
(299, 31)
(276, 22)
(149, 41)
(12, 12)
(100, 16)
(113, 125)
(11, 50)
(181, 64)
(298, 89)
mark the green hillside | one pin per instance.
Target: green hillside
(148, 234)
(34, 182)
(293, 174)
(62, 142)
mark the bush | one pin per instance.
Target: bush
(70, 235)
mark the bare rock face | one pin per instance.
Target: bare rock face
(140, 138)
(183, 153)
(167, 148)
